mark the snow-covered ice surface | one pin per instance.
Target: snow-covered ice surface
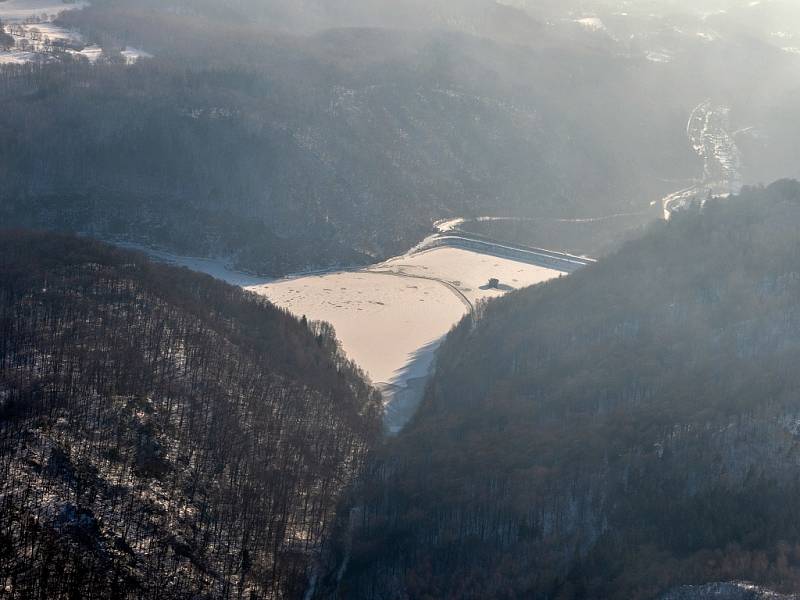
(469, 272)
(391, 317)
(381, 319)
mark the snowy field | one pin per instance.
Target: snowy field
(391, 317)
(30, 23)
(469, 272)
(381, 319)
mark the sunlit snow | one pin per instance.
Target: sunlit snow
(391, 317)
(36, 36)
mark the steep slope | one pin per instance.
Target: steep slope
(286, 151)
(162, 434)
(613, 434)
(288, 135)
(338, 148)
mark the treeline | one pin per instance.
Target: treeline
(292, 151)
(593, 237)
(613, 434)
(162, 434)
(171, 158)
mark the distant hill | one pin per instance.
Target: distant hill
(163, 434)
(286, 135)
(287, 150)
(617, 433)
(289, 135)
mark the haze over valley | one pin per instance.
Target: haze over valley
(399, 300)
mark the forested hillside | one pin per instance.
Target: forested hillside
(291, 149)
(162, 434)
(618, 433)
(287, 135)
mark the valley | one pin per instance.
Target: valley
(399, 299)
(619, 433)
(709, 133)
(391, 317)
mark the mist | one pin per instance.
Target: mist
(399, 299)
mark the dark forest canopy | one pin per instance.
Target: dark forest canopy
(313, 155)
(163, 434)
(613, 434)
(289, 134)
(285, 147)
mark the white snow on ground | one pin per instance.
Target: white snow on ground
(54, 32)
(445, 226)
(381, 319)
(391, 317)
(30, 22)
(19, 10)
(591, 23)
(469, 272)
(133, 54)
(219, 269)
(16, 57)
